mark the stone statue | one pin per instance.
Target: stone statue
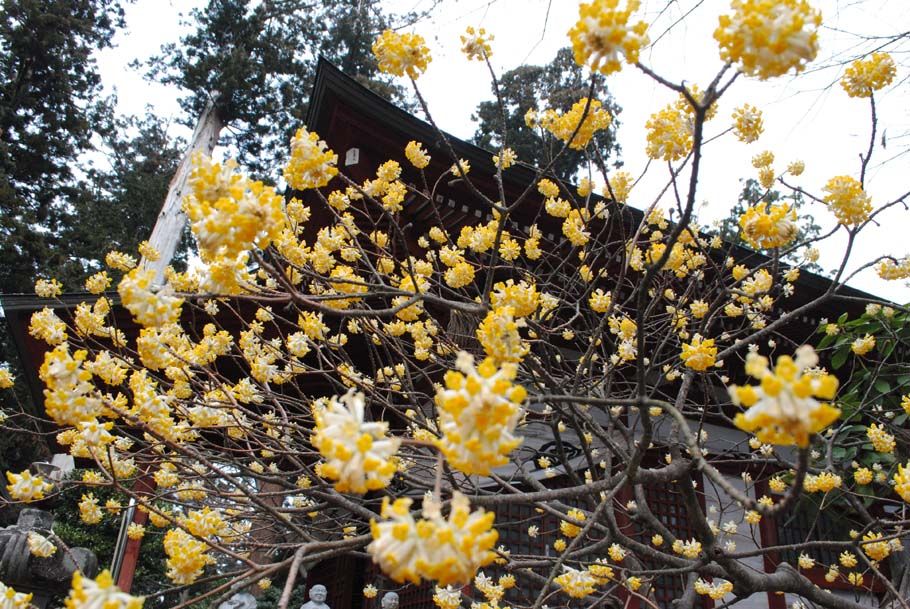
(241, 600)
(389, 600)
(42, 576)
(318, 594)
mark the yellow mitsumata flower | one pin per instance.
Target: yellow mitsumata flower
(620, 185)
(358, 454)
(120, 261)
(863, 476)
(46, 326)
(27, 488)
(567, 528)
(891, 270)
(848, 200)
(766, 226)
(574, 228)
(747, 123)
(498, 335)
(40, 546)
(230, 213)
(400, 54)
(847, 559)
(10, 599)
(864, 76)
(601, 572)
(479, 409)
(150, 307)
(600, 301)
(204, 523)
(862, 346)
(7, 380)
(882, 441)
(824, 482)
(571, 128)
(186, 556)
(89, 511)
(99, 593)
(148, 252)
(135, 531)
(767, 38)
(902, 481)
(475, 44)
(603, 36)
(447, 550)
(48, 288)
(669, 134)
(699, 354)
(417, 155)
(523, 297)
(783, 408)
(616, 552)
(505, 159)
(874, 547)
(690, 549)
(716, 589)
(447, 597)
(575, 583)
(312, 163)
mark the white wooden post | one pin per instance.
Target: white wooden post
(171, 220)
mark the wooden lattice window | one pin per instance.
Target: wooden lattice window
(668, 506)
(416, 597)
(805, 521)
(512, 522)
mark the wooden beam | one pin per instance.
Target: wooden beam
(171, 220)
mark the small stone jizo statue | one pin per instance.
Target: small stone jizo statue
(241, 600)
(318, 595)
(389, 600)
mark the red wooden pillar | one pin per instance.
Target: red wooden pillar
(625, 494)
(131, 554)
(767, 529)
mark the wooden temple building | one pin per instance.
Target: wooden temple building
(365, 131)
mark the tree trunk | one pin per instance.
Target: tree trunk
(171, 220)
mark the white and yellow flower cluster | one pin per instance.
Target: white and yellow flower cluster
(603, 36)
(478, 412)
(99, 593)
(359, 455)
(27, 488)
(446, 550)
(186, 556)
(783, 408)
(767, 38)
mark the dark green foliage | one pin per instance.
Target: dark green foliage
(556, 85)
(751, 194)
(260, 58)
(120, 203)
(871, 391)
(50, 107)
(102, 537)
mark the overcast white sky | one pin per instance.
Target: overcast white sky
(805, 118)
